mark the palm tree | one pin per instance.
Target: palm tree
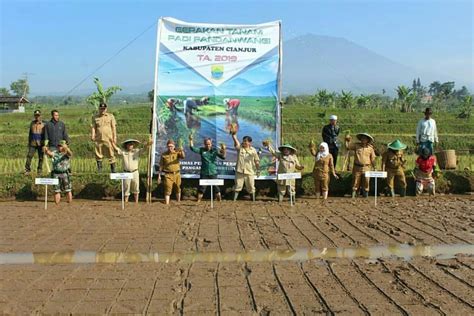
(406, 98)
(101, 95)
(363, 101)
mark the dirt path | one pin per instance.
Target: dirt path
(335, 286)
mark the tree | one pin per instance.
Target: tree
(446, 88)
(466, 107)
(151, 96)
(434, 88)
(4, 92)
(101, 95)
(20, 87)
(324, 98)
(461, 93)
(363, 101)
(346, 100)
(406, 98)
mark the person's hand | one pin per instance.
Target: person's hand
(312, 145)
(233, 129)
(299, 167)
(45, 149)
(159, 178)
(93, 138)
(266, 143)
(336, 176)
(257, 173)
(150, 141)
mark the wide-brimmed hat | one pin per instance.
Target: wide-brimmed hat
(102, 105)
(37, 112)
(371, 139)
(396, 145)
(287, 146)
(130, 140)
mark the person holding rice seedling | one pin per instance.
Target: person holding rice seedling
(61, 165)
(425, 169)
(209, 157)
(131, 156)
(323, 164)
(393, 162)
(170, 166)
(248, 164)
(364, 160)
(287, 163)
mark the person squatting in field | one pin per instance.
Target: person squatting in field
(323, 164)
(104, 135)
(170, 166)
(232, 106)
(61, 165)
(288, 163)
(248, 164)
(393, 162)
(364, 160)
(191, 104)
(209, 157)
(425, 171)
(130, 162)
(35, 142)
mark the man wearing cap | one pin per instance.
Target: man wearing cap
(426, 132)
(330, 134)
(170, 167)
(55, 131)
(394, 163)
(103, 133)
(248, 164)
(35, 142)
(364, 160)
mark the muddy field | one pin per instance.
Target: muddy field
(350, 286)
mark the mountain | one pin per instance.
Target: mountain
(312, 62)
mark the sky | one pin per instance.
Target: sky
(60, 44)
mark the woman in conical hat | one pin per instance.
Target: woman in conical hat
(394, 163)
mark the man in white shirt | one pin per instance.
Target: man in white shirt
(426, 132)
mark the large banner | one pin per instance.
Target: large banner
(211, 77)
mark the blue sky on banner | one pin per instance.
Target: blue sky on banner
(58, 43)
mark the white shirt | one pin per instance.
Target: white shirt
(426, 131)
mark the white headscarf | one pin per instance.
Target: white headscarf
(324, 153)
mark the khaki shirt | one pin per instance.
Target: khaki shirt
(393, 160)
(169, 162)
(364, 155)
(103, 125)
(246, 160)
(130, 159)
(324, 165)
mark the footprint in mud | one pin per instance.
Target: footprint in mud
(203, 242)
(270, 288)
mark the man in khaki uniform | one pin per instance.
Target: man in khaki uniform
(364, 160)
(169, 165)
(394, 163)
(248, 164)
(105, 136)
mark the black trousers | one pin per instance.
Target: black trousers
(202, 188)
(31, 153)
(333, 150)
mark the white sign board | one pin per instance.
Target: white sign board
(375, 174)
(47, 181)
(211, 181)
(121, 176)
(289, 176)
